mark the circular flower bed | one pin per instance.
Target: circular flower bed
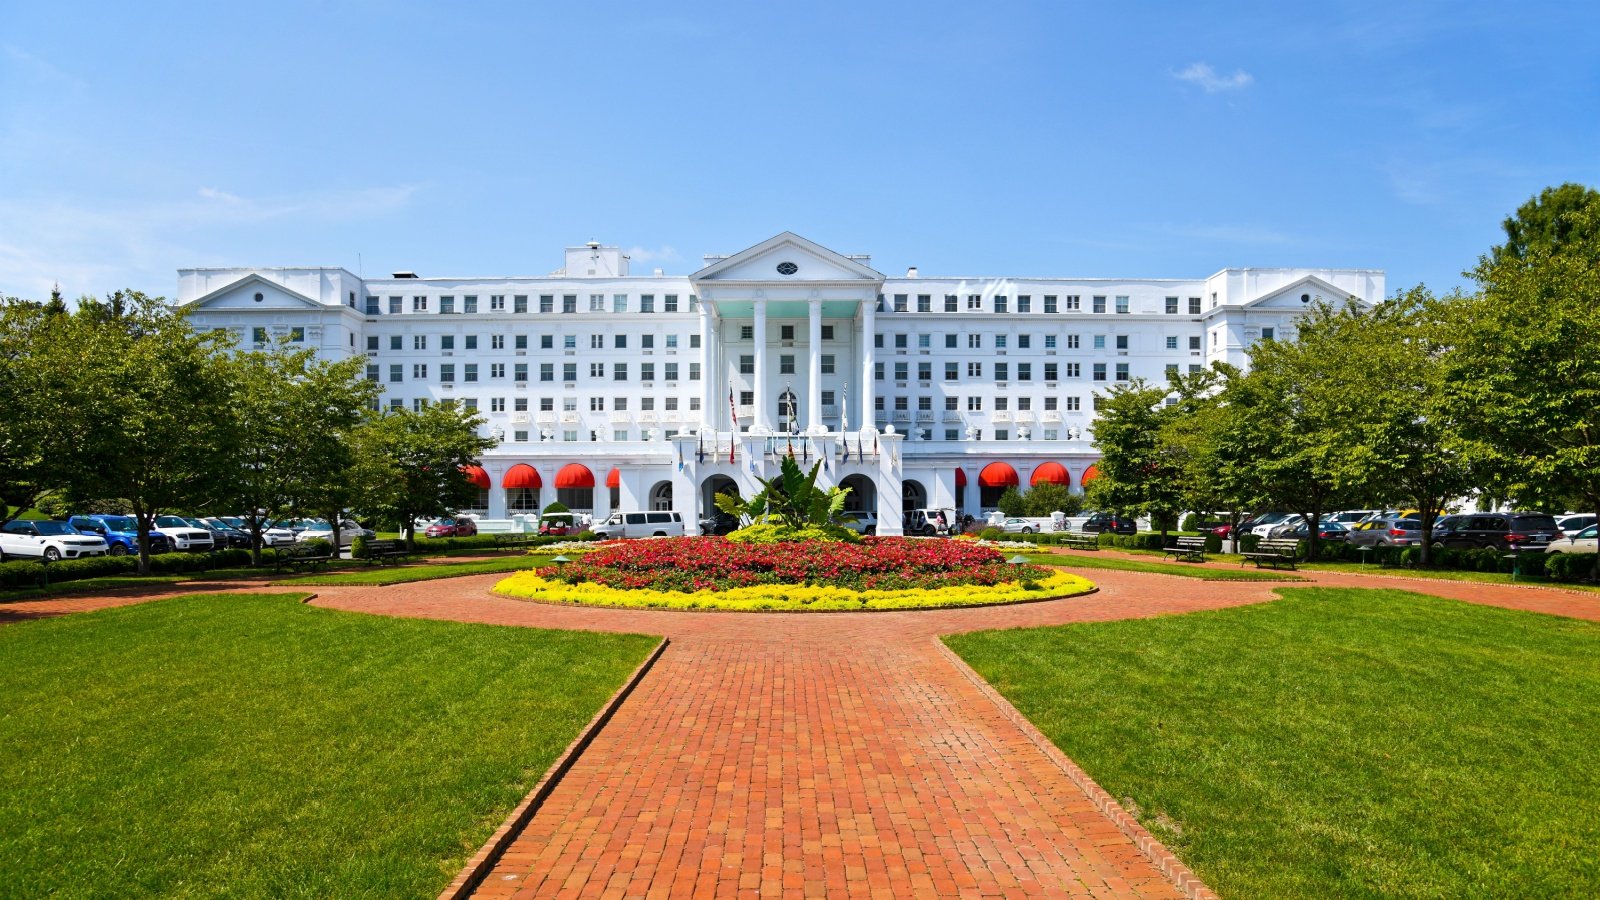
(712, 573)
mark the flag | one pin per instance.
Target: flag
(874, 442)
(700, 439)
(791, 447)
(733, 410)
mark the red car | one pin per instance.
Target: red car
(458, 528)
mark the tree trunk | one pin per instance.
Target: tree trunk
(334, 521)
(141, 525)
(1427, 512)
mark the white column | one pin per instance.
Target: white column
(891, 512)
(869, 356)
(814, 384)
(763, 418)
(708, 381)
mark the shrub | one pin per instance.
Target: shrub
(556, 507)
(1191, 522)
(176, 563)
(587, 535)
(1011, 502)
(359, 548)
(1248, 542)
(1570, 566)
(992, 534)
(233, 558)
(21, 574)
(318, 546)
(775, 532)
(1213, 543)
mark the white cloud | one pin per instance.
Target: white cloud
(1207, 78)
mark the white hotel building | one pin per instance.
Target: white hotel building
(613, 391)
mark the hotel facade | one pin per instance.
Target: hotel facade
(619, 392)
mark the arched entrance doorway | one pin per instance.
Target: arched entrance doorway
(913, 495)
(863, 496)
(661, 496)
(712, 520)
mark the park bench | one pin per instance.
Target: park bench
(1277, 553)
(515, 539)
(1084, 541)
(1191, 549)
(301, 556)
(386, 551)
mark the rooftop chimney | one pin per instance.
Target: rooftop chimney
(911, 272)
(405, 274)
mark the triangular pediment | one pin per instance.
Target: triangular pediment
(242, 294)
(1289, 296)
(787, 257)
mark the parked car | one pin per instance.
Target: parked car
(1102, 522)
(1393, 532)
(1289, 523)
(659, 523)
(462, 527)
(1326, 531)
(1263, 524)
(47, 540)
(287, 531)
(121, 533)
(718, 523)
(1349, 517)
(1569, 524)
(860, 522)
(1018, 526)
(931, 521)
(348, 532)
(185, 538)
(1498, 530)
(222, 534)
(1586, 540)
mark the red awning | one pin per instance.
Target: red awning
(614, 480)
(1051, 473)
(1090, 474)
(477, 476)
(522, 475)
(998, 475)
(961, 478)
(574, 475)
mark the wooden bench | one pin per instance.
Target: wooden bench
(386, 551)
(301, 556)
(1191, 549)
(1278, 554)
(1080, 541)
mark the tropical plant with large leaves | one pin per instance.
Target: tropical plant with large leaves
(792, 500)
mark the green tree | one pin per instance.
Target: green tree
(1525, 358)
(1140, 472)
(295, 417)
(1546, 221)
(35, 388)
(151, 411)
(1047, 497)
(1010, 502)
(410, 463)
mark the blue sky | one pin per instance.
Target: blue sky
(1070, 139)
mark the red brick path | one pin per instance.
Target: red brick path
(812, 754)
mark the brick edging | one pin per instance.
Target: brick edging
(1181, 876)
(479, 866)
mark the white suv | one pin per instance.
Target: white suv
(185, 537)
(47, 540)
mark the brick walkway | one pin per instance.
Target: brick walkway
(802, 755)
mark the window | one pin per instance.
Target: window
(1122, 342)
(827, 332)
(1122, 305)
(1049, 403)
(498, 404)
(469, 372)
(747, 364)
(447, 305)
(1267, 334)
(419, 342)
(597, 303)
(1071, 301)
(974, 370)
(1172, 342)
(647, 342)
(950, 302)
(569, 372)
(747, 398)
(522, 342)
(372, 306)
(372, 343)
(1172, 306)
(900, 405)
(747, 332)
(419, 404)
(786, 332)
(974, 341)
(975, 302)
(1049, 342)
(671, 404)
(597, 404)
(1024, 371)
(519, 303)
(1050, 303)
(547, 303)
(1099, 371)
(899, 302)
(1099, 342)
(619, 303)
(1074, 370)
(1000, 304)
(372, 372)
(396, 403)
(900, 371)
(900, 342)
(297, 335)
(394, 306)
(620, 342)
(1024, 341)
(952, 403)
(520, 373)
(1050, 371)
(1194, 306)
(952, 371)
(877, 371)
(1172, 370)
(694, 373)
(826, 365)
(471, 341)
(497, 342)
(419, 370)
(952, 434)
(672, 341)
(1122, 371)
(924, 341)
(694, 342)
(447, 373)
(669, 303)
(597, 370)
(1002, 434)
(419, 304)
(1194, 342)
(1002, 371)
(950, 341)
(1024, 403)
(924, 371)
(1099, 304)
(546, 404)
(497, 303)
(999, 342)
(877, 341)
(924, 303)
(647, 371)
(619, 372)
(447, 342)
(1024, 303)
(569, 303)
(647, 303)
(497, 370)
(1213, 299)
(1072, 404)
(670, 371)
(786, 364)
(974, 404)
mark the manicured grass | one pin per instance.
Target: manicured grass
(1353, 568)
(401, 574)
(1334, 743)
(254, 746)
(1187, 570)
(90, 585)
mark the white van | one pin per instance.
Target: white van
(640, 524)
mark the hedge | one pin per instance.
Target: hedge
(30, 574)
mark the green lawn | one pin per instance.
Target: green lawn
(401, 574)
(1335, 743)
(91, 585)
(1187, 570)
(255, 746)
